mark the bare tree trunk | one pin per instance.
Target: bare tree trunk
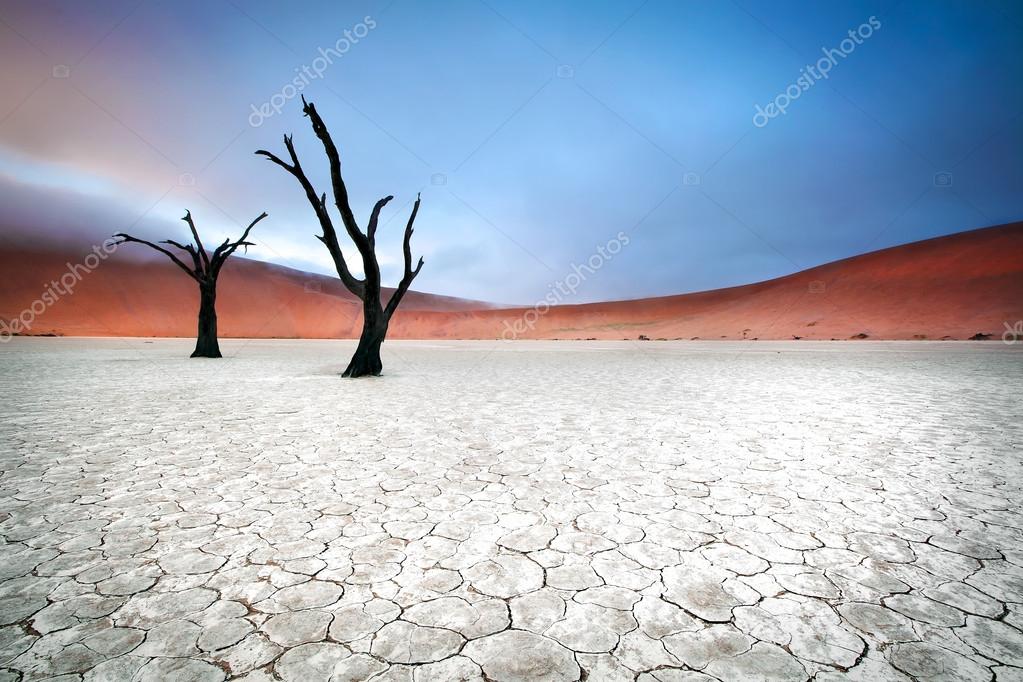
(376, 315)
(205, 270)
(206, 344)
(366, 360)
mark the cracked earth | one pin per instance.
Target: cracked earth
(656, 512)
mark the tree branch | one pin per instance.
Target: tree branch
(225, 250)
(198, 242)
(319, 204)
(190, 250)
(410, 273)
(276, 159)
(371, 227)
(337, 182)
(128, 238)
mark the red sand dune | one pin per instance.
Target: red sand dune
(949, 287)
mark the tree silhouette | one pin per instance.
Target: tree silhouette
(205, 270)
(376, 315)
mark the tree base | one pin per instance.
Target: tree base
(206, 348)
(363, 368)
(366, 361)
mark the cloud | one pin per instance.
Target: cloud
(535, 170)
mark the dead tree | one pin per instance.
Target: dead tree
(205, 270)
(376, 316)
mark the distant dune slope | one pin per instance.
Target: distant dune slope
(949, 287)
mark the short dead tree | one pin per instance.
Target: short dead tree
(376, 315)
(205, 270)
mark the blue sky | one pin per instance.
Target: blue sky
(535, 131)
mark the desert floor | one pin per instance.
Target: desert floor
(519, 511)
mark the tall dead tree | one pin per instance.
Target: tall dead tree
(376, 315)
(205, 270)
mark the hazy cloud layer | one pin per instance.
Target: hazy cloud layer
(535, 133)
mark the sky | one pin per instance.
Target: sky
(717, 143)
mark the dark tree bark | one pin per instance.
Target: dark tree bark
(375, 315)
(205, 270)
(206, 344)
